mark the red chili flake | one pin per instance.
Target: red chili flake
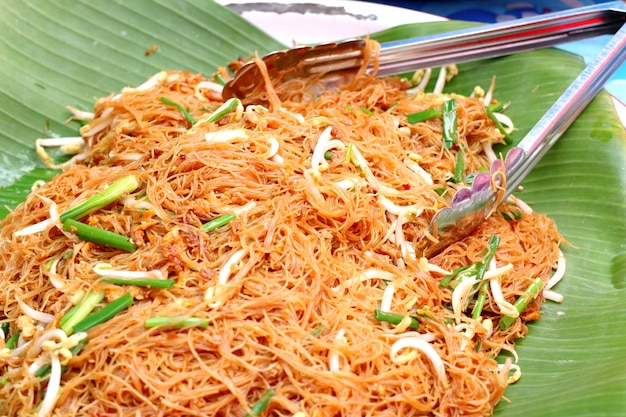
(406, 186)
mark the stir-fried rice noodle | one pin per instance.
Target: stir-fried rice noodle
(315, 249)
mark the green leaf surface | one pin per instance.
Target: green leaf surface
(573, 360)
(68, 52)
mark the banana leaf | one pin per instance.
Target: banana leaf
(68, 52)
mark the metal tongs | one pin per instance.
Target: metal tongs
(336, 63)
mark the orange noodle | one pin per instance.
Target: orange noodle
(327, 200)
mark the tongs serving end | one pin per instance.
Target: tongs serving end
(341, 60)
(469, 207)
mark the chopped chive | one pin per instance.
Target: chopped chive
(80, 311)
(228, 106)
(172, 321)
(366, 111)
(480, 300)
(476, 269)
(328, 154)
(450, 131)
(261, 404)
(105, 313)
(494, 107)
(395, 318)
(455, 273)
(219, 79)
(469, 178)
(423, 115)
(5, 328)
(507, 138)
(441, 190)
(511, 215)
(114, 191)
(459, 168)
(45, 369)
(492, 246)
(12, 341)
(348, 156)
(140, 282)
(479, 345)
(100, 236)
(522, 302)
(220, 221)
(318, 330)
(183, 110)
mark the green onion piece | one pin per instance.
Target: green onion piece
(224, 109)
(492, 246)
(480, 300)
(423, 115)
(493, 243)
(45, 369)
(328, 154)
(511, 215)
(349, 151)
(140, 282)
(261, 404)
(441, 190)
(220, 221)
(479, 345)
(12, 341)
(395, 318)
(100, 236)
(522, 302)
(114, 191)
(507, 138)
(172, 321)
(495, 107)
(366, 111)
(183, 110)
(455, 273)
(5, 327)
(105, 313)
(219, 79)
(469, 178)
(318, 330)
(450, 131)
(80, 311)
(459, 168)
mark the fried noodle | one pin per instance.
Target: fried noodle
(289, 287)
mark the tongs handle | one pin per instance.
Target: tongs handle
(501, 39)
(564, 111)
(470, 206)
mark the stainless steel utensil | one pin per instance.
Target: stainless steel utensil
(337, 62)
(470, 206)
